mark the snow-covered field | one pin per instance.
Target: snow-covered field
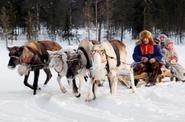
(161, 103)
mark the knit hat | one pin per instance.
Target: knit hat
(146, 34)
(156, 40)
(163, 35)
(169, 42)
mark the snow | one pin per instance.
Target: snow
(163, 102)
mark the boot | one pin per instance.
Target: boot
(151, 82)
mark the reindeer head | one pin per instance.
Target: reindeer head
(74, 63)
(57, 59)
(14, 54)
(98, 55)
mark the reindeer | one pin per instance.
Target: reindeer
(32, 56)
(107, 59)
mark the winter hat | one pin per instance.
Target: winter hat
(146, 34)
(169, 42)
(163, 35)
(156, 40)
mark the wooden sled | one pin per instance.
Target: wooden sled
(125, 79)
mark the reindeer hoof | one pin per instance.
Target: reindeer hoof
(63, 91)
(34, 92)
(100, 84)
(150, 84)
(77, 95)
(89, 99)
(134, 90)
(38, 88)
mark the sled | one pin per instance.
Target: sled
(125, 79)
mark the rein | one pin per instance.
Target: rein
(101, 52)
(122, 62)
(35, 65)
(42, 64)
(16, 57)
(89, 63)
(32, 59)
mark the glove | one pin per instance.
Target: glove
(144, 59)
(152, 60)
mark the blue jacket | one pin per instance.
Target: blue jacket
(137, 55)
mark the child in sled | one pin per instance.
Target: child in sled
(171, 62)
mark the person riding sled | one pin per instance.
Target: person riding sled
(147, 56)
(163, 39)
(171, 62)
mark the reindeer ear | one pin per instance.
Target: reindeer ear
(74, 50)
(20, 49)
(79, 56)
(50, 52)
(9, 48)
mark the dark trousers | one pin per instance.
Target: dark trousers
(153, 70)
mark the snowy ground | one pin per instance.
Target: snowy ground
(154, 104)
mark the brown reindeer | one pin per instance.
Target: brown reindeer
(32, 56)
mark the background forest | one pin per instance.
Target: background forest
(60, 17)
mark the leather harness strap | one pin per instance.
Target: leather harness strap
(116, 50)
(89, 63)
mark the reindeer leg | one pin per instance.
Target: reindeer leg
(91, 91)
(35, 83)
(48, 74)
(62, 88)
(26, 81)
(81, 81)
(110, 84)
(75, 88)
(113, 80)
(114, 85)
(132, 80)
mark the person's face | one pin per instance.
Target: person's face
(162, 39)
(145, 40)
(170, 46)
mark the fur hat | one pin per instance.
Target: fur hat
(146, 34)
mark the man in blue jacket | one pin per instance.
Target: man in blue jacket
(148, 57)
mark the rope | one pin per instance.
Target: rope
(16, 57)
(33, 65)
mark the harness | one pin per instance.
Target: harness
(116, 50)
(30, 62)
(74, 67)
(103, 52)
(36, 54)
(89, 63)
(107, 57)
